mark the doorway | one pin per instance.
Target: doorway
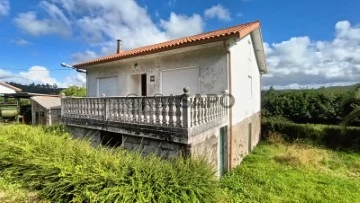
(224, 158)
(143, 85)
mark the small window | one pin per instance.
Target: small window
(250, 86)
(42, 113)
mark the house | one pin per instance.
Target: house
(197, 95)
(46, 110)
(6, 89)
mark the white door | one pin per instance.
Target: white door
(107, 86)
(174, 81)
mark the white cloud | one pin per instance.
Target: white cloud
(100, 23)
(35, 74)
(38, 74)
(181, 25)
(80, 57)
(219, 12)
(30, 23)
(21, 42)
(79, 79)
(4, 7)
(302, 62)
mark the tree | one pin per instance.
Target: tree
(353, 100)
(74, 91)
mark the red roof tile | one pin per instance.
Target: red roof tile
(217, 35)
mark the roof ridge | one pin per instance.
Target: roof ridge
(209, 36)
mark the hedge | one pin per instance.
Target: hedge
(333, 136)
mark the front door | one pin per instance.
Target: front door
(224, 159)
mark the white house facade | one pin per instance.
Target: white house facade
(198, 96)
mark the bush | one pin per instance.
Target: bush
(322, 106)
(66, 170)
(329, 135)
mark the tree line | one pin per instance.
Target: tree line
(321, 106)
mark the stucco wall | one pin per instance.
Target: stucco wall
(240, 137)
(211, 62)
(207, 145)
(245, 90)
(6, 90)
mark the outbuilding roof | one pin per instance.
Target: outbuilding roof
(48, 102)
(10, 87)
(239, 31)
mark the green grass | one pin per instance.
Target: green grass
(43, 165)
(11, 192)
(297, 172)
(64, 170)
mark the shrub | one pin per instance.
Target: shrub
(329, 135)
(66, 170)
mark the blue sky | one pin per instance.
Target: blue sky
(308, 43)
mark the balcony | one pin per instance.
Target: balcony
(181, 115)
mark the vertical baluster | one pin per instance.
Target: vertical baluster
(139, 110)
(178, 113)
(150, 104)
(123, 110)
(157, 110)
(164, 112)
(171, 112)
(145, 109)
(133, 113)
(206, 105)
(200, 111)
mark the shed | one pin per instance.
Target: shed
(46, 110)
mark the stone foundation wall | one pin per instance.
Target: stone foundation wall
(240, 137)
(85, 133)
(151, 146)
(144, 145)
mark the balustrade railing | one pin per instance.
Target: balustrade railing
(182, 111)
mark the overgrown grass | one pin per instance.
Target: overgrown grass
(14, 192)
(65, 170)
(278, 171)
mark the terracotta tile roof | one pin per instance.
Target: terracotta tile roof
(213, 36)
(10, 86)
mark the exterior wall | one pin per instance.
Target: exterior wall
(51, 117)
(6, 90)
(133, 143)
(240, 137)
(246, 89)
(151, 146)
(246, 94)
(206, 145)
(54, 116)
(85, 133)
(43, 120)
(212, 63)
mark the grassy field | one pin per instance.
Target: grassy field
(298, 172)
(41, 166)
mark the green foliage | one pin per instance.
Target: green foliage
(38, 88)
(352, 99)
(262, 178)
(74, 91)
(66, 170)
(322, 106)
(330, 135)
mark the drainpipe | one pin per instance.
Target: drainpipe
(228, 56)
